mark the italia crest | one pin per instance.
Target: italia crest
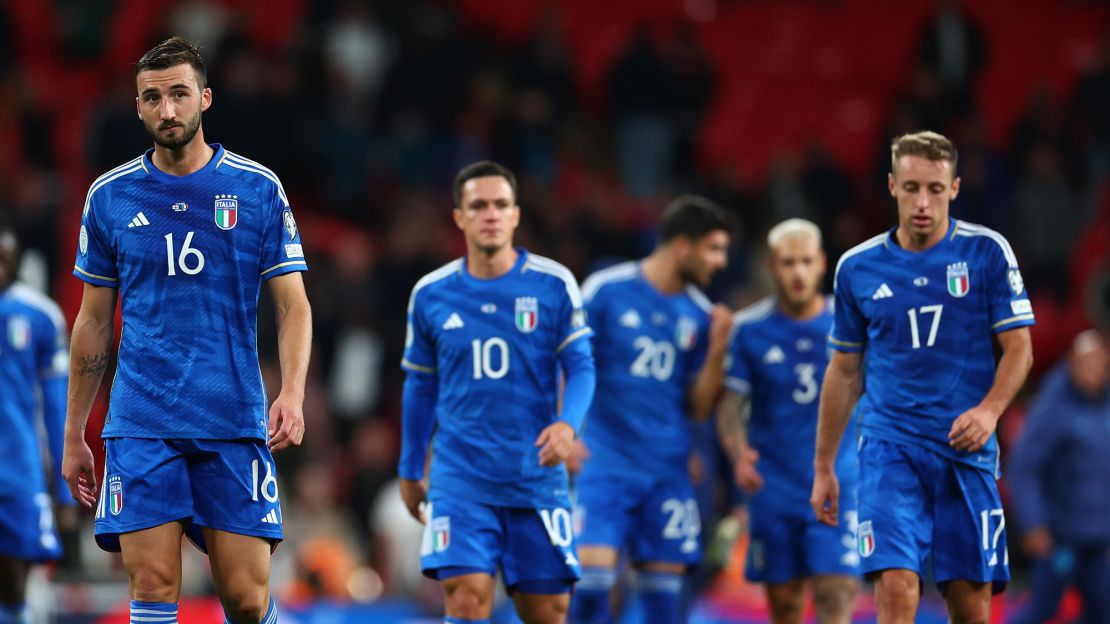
(19, 332)
(959, 279)
(527, 314)
(115, 495)
(441, 533)
(227, 211)
(686, 333)
(866, 538)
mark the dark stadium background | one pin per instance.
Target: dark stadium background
(605, 109)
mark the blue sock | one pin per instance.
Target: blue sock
(269, 618)
(153, 612)
(661, 596)
(453, 620)
(590, 602)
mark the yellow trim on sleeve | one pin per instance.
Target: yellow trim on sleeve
(1013, 319)
(416, 367)
(585, 331)
(99, 277)
(842, 343)
(283, 264)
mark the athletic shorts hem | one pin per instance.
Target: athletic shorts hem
(433, 573)
(108, 539)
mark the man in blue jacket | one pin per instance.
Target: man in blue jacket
(1061, 483)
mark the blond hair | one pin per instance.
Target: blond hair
(792, 227)
(926, 144)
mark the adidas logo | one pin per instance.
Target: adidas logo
(630, 319)
(270, 518)
(882, 292)
(453, 322)
(138, 221)
(774, 355)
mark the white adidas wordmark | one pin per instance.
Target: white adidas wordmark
(453, 322)
(270, 518)
(138, 221)
(883, 292)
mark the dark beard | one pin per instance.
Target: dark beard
(189, 130)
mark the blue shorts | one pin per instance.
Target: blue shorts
(227, 485)
(27, 529)
(657, 520)
(917, 505)
(787, 545)
(530, 546)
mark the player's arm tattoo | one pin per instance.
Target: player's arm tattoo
(90, 365)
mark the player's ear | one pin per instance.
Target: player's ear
(457, 215)
(138, 110)
(890, 183)
(205, 99)
(955, 188)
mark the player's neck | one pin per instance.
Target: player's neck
(805, 310)
(662, 272)
(916, 244)
(483, 265)
(182, 161)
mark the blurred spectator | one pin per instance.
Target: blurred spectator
(953, 48)
(1044, 221)
(1060, 481)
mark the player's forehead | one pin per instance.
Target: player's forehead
(910, 168)
(487, 188)
(168, 78)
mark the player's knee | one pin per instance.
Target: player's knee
(833, 600)
(899, 590)
(245, 605)
(467, 601)
(155, 581)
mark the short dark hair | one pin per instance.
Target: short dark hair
(693, 216)
(481, 169)
(172, 52)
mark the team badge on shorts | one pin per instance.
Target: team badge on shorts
(866, 539)
(115, 495)
(527, 314)
(227, 211)
(959, 280)
(441, 533)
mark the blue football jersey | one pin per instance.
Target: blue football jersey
(188, 255)
(648, 348)
(494, 345)
(778, 364)
(32, 348)
(925, 323)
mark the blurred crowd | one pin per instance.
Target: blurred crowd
(366, 109)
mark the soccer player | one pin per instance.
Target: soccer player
(185, 235)
(488, 336)
(919, 310)
(777, 359)
(33, 366)
(660, 348)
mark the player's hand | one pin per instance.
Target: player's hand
(971, 430)
(747, 477)
(579, 454)
(79, 471)
(555, 443)
(825, 498)
(720, 326)
(1038, 542)
(415, 496)
(286, 422)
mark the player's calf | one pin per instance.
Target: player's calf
(660, 593)
(591, 602)
(968, 602)
(541, 608)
